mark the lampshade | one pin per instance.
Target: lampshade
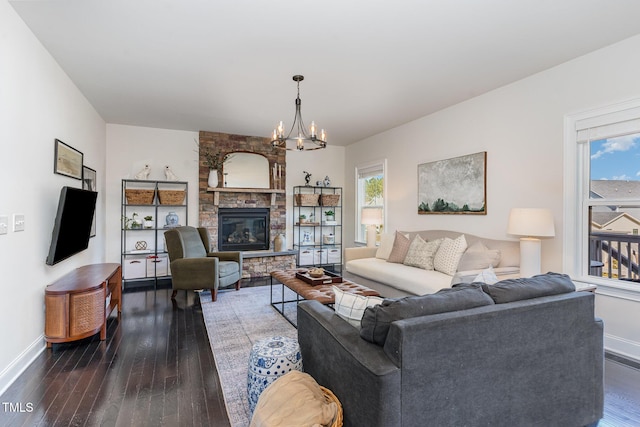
(531, 222)
(371, 216)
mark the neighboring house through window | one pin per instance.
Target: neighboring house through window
(370, 190)
(602, 196)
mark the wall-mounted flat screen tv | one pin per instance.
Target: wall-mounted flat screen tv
(72, 227)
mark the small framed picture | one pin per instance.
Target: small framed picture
(68, 161)
(89, 183)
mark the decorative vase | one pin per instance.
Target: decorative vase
(213, 178)
(148, 223)
(279, 243)
(172, 219)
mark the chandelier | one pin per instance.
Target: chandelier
(298, 138)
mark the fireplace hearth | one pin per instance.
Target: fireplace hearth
(243, 229)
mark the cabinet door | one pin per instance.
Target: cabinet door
(86, 312)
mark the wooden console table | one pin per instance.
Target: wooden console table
(78, 304)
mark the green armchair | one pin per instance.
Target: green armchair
(194, 267)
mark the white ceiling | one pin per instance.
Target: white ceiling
(369, 65)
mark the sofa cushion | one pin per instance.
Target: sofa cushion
(541, 285)
(449, 254)
(400, 248)
(421, 253)
(399, 276)
(386, 245)
(479, 257)
(377, 320)
(351, 306)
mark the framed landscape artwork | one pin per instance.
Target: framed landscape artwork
(453, 186)
(68, 160)
(89, 183)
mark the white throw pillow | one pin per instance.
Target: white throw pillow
(487, 276)
(449, 254)
(421, 253)
(351, 306)
(386, 245)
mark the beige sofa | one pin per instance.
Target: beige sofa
(369, 266)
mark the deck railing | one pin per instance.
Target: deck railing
(614, 255)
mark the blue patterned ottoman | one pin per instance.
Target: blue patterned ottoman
(270, 358)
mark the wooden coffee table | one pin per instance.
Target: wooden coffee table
(305, 291)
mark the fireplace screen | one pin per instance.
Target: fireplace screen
(243, 229)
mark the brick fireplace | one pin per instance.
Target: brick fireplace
(211, 201)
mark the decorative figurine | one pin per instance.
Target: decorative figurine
(169, 174)
(144, 173)
(318, 183)
(327, 181)
(307, 178)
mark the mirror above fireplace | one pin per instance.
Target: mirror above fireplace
(246, 170)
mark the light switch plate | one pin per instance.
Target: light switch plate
(18, 222)
(4, 224)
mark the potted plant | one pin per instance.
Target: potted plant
(148, 221)
(135, 224)
(303, 218)
(330, 215)
(214, 161)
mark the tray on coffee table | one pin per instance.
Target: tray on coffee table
(327, 278)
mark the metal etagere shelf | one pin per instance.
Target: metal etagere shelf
(144, 258)
(317, 236)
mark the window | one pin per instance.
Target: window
(370, 185)
(603, 155)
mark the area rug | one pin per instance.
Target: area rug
(234, 323)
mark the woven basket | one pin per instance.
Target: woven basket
(328, 394)
(307, 199)
(330, 199)
(171, 197)
(139, 197)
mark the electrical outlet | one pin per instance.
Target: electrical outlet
(18, 222)
(4, 224)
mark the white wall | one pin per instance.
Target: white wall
(129, 149)
(521, 128)
(319, 163)
(38, 103)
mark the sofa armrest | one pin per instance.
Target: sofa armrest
(194, 273)
(359, 373)
(502, 273)
(359, 252)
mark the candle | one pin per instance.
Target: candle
(313, 129)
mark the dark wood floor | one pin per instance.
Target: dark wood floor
(156, 368)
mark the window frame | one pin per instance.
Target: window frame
(361, 239)
(576, 196)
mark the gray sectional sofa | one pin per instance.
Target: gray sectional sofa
(526, 356)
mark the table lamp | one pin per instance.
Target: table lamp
(530, 223)
(371, 217)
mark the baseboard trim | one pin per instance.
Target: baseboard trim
(20, 363)
(622, 360)
(622, 347)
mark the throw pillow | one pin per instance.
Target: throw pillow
(386, 245)
(377, 320)
(487, 276)
(449, 254)
(531, 287)
(421, 253)
(479, 257)
(400, 248)
(351, 306)
(294, 399)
